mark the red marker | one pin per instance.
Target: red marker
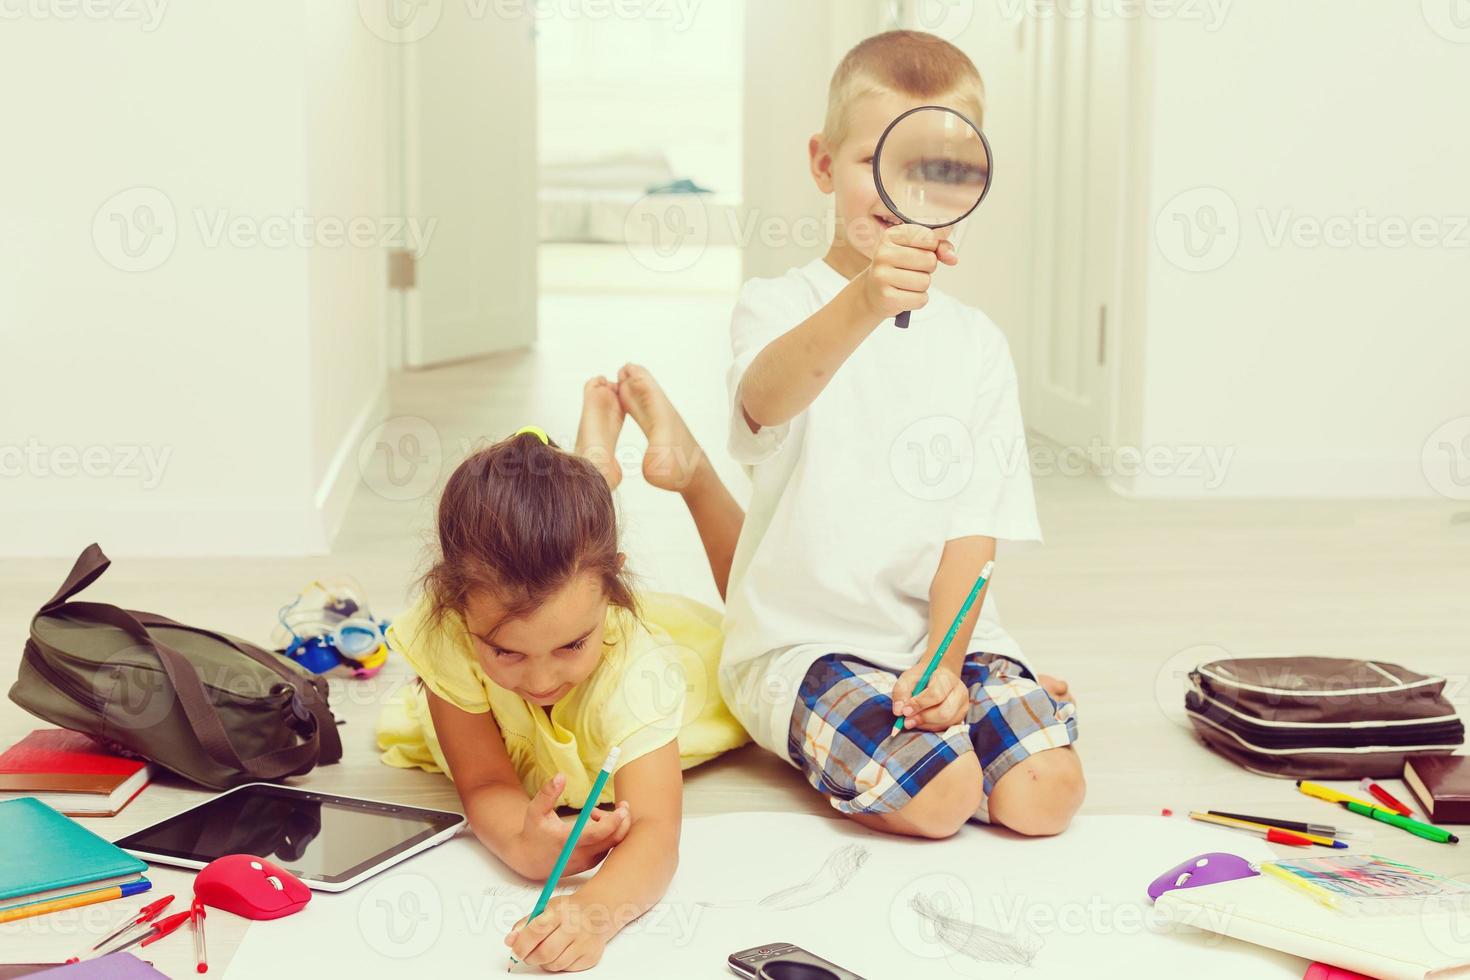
(1382, 796)
(196, 919)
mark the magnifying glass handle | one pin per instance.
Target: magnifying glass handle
(902, 320)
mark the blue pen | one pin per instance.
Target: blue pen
(948, 639)
(571, 844)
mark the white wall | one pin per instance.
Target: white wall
(189, 405)
(791, 50)
(1323, 368)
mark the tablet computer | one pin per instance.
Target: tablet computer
(330, 842)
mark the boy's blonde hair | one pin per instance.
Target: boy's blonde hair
(909, 63)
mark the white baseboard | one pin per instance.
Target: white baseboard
(1263, 476)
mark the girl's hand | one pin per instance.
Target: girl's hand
(942, 703)
(543, 833)
(568, 935)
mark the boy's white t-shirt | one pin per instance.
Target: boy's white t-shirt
(916, 440)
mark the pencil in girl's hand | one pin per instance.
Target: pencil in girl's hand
(948, 637)
(571, 842)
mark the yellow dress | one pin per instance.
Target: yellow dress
(656, 683)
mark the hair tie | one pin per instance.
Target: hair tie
(534, 430)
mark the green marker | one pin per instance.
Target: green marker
(1428, 831)
(948, 638)
(571, 842)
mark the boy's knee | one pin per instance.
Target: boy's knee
(949, 800)
(1040, 794)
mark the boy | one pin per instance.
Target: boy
(852, 561)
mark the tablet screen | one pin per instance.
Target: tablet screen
(312, 835)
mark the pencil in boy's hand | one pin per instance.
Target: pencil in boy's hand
(948, 638)
(571, 842)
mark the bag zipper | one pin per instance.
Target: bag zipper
(1329, 736)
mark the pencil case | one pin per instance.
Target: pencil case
(1320, 717)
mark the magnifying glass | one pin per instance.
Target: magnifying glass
(932, 167)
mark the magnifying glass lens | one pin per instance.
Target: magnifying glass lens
(932, 167)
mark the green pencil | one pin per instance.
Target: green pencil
(571, 842)
(1428, 831)
(948, 638)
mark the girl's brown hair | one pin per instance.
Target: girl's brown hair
(517, 520)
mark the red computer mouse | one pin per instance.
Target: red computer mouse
(250, 886)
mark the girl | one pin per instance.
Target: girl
(536, 658)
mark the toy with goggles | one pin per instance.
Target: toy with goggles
(328, 629)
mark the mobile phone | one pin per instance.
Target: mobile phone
(747, 961)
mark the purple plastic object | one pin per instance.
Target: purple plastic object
(1202, 869)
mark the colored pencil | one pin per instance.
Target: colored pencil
(1300, 826)
(1281, 834)
(571, 841)
(1425, 830)
(948, 638)
(76, 901)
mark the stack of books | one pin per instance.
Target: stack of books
(71, 773)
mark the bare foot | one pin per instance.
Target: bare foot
(673, 457)
(1056, 687)
(597, 432)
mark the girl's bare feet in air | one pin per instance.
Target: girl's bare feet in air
(597, 432)
(673, 458)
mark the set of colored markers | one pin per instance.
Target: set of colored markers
(1297, 833)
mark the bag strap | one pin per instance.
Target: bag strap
(90, 564)
(202, 715)
(312, 697)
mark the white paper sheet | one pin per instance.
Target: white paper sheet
(883, 907)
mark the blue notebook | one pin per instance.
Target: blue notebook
(42, 851)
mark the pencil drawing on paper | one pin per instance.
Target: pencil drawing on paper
(833, 876)
(971, 939)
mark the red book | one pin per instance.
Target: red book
(1442, 785)
(70, 772)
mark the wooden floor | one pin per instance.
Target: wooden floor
(1124, 598)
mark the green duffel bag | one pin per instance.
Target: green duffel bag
(212, 708)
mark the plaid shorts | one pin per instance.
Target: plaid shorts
(840, 731)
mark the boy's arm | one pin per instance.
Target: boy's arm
(959, 565)
(572, 931)
(525, 833)
(791, 371)
(945, 700)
